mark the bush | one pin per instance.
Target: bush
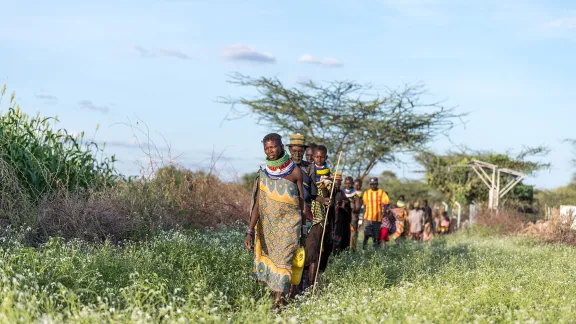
(136, 209)
(555, 230)
(504, 221)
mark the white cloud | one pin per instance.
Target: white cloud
(47, 98)
(240, 52)
(562, 23)
(327, 61)
(88, 104)
(125, 144)
(160, 52)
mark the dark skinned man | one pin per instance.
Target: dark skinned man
(314, 238)
(310, 152)
(375, 200)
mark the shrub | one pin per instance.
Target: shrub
(137, 209)
(556, 229)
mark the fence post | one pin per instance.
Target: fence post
(459, 213)
(472, 212)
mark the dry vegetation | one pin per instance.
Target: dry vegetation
(174, 198)
(557, 229)
(502, 221)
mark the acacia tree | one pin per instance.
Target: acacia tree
(449, 175)
(369, 126)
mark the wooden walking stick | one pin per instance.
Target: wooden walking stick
(324, 228)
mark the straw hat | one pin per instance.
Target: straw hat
(297, 140)
(338, 176)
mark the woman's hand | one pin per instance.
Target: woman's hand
(248, 242)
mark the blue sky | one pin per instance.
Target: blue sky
(509, 65)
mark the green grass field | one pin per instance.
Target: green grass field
(205, 277)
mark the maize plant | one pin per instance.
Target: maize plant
(46, 158)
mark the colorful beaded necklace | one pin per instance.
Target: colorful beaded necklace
(322, 170)
(279, 168)
(350, 193)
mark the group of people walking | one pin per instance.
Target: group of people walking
(298, 201)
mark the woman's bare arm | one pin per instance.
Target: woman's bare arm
(253, 220)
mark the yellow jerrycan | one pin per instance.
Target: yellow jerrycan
(298, 265)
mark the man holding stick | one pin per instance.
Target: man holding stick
(319, 223)
(311, 193)
(297, 149)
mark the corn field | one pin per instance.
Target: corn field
(46, 158)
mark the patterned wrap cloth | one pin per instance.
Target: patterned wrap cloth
(277, 232)
(401, 223)
(318, 210)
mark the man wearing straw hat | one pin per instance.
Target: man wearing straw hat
(297, 148)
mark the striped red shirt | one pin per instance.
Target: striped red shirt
(373, 202)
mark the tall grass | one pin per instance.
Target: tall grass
(38, 160)
(46, 158)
